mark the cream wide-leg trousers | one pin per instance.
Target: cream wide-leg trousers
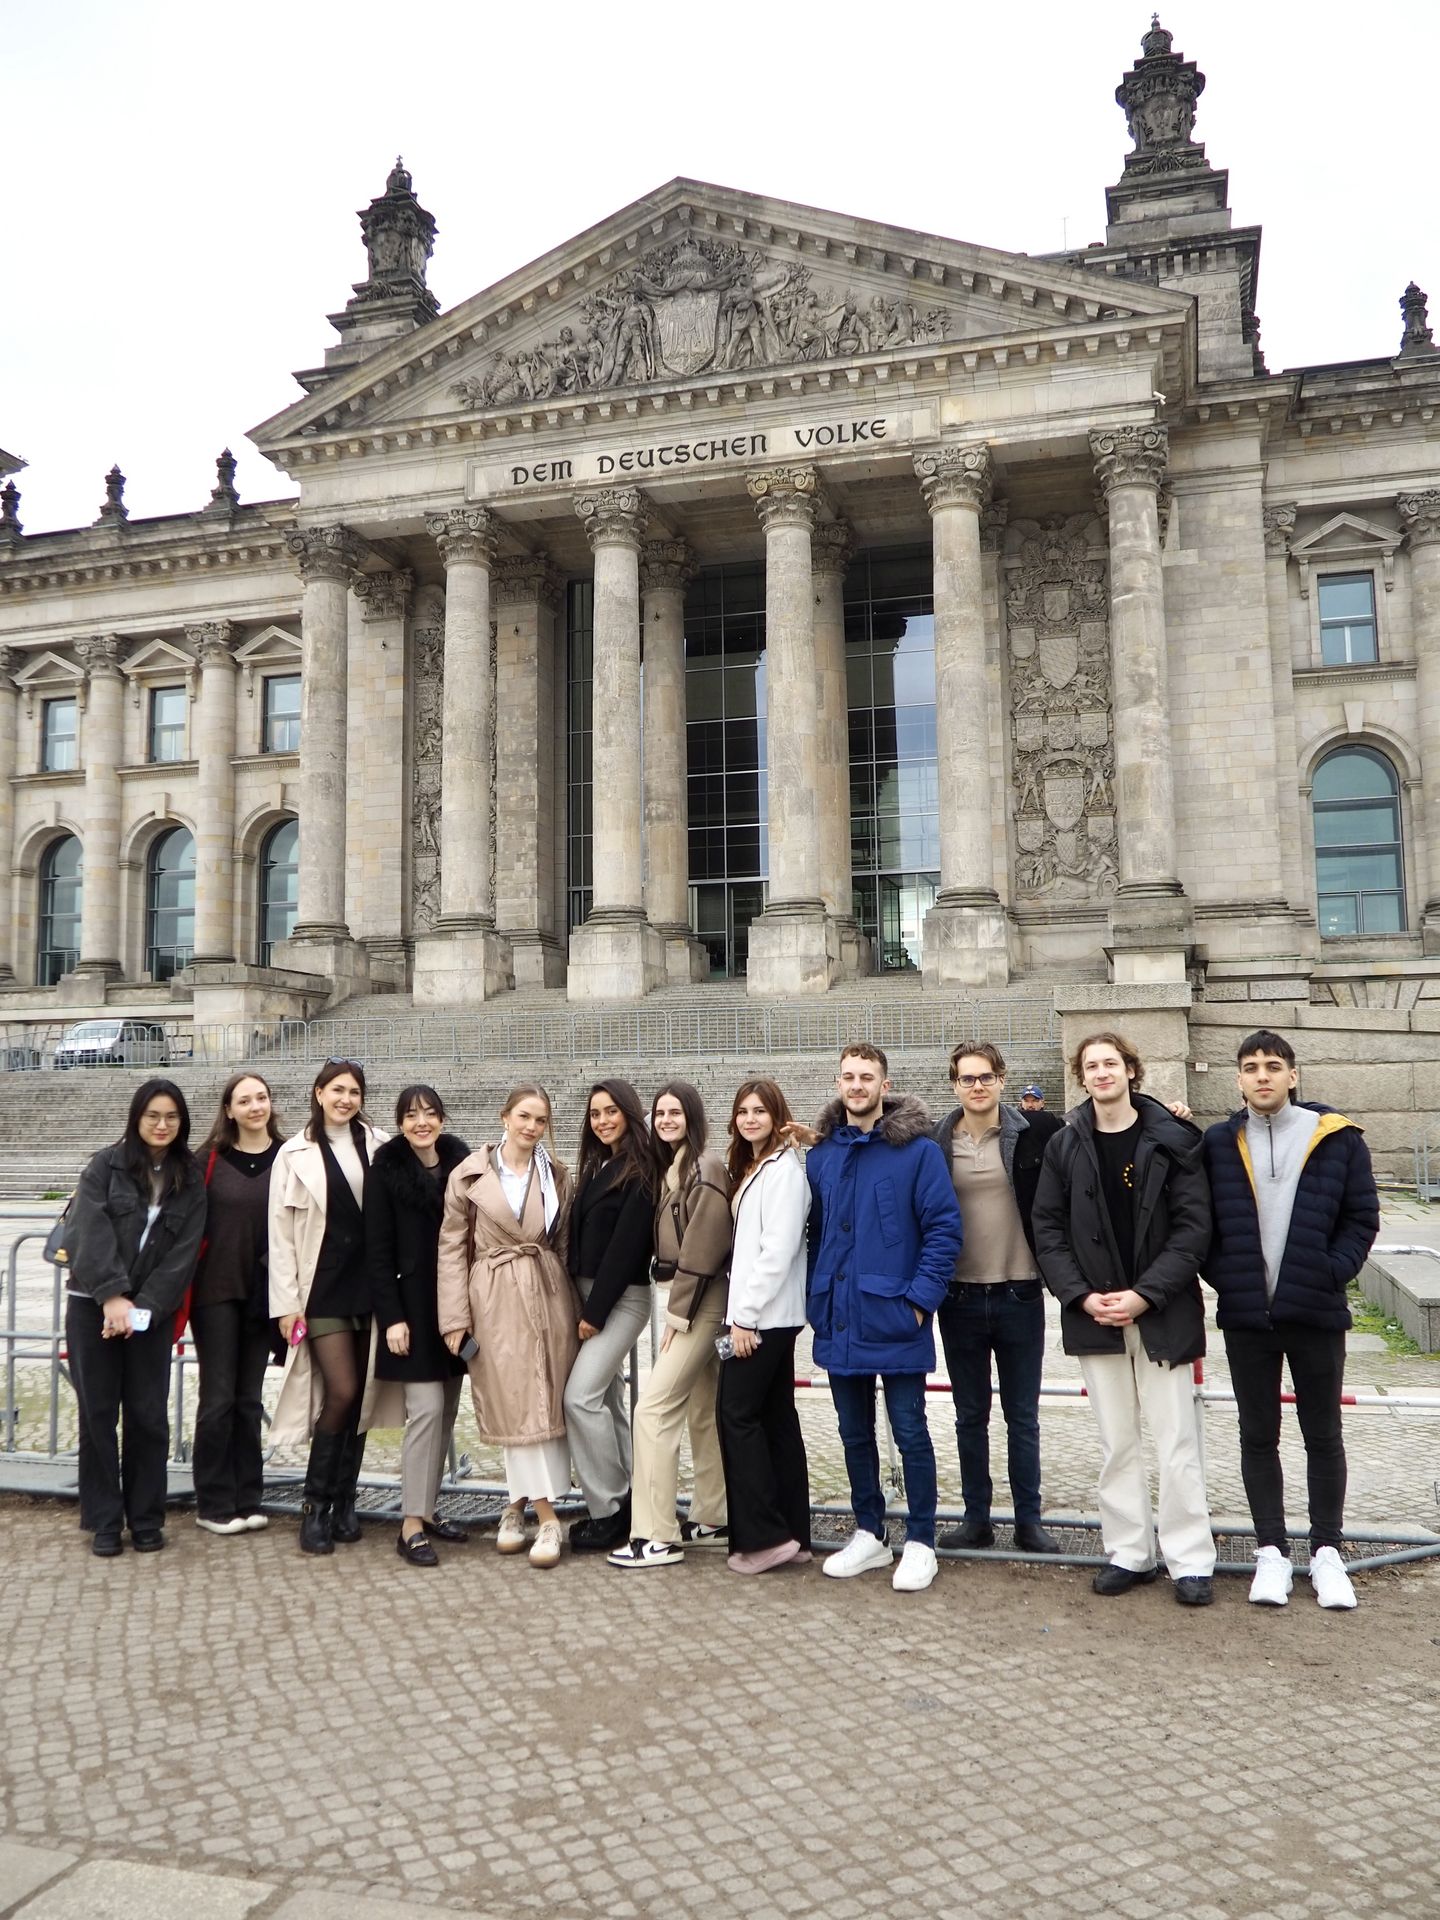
(680, 1392)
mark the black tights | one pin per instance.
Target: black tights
(341, 1358)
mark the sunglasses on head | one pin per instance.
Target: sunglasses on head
(346, 1066)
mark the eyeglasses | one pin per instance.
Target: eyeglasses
(976, 1079)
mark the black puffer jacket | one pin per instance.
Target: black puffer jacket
(1076, 1246)
(106, 1224)
(403, 1210)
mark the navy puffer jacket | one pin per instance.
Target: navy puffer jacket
(1332, 1227)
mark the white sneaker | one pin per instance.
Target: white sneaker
(546, 1550)
(511, 1537)
(1274, 1577)
(860, 1552)
(646, 1553)
(1330, 1580)
(256, 1522)
(918, 1567)
(220, 1526)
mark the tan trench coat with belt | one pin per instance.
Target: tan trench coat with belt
(297, 1230)
(505, 1281)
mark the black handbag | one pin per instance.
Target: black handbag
(54, 1248)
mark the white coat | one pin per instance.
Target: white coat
(767, 1264)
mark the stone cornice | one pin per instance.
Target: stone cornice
(1353, 675)
(955, 477)
(614, 516)
(44, 562)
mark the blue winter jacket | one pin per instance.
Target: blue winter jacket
(884, 1237)
(1332, 1227)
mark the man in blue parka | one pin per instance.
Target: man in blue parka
(884, 1237)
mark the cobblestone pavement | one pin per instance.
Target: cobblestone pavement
(229, 1728)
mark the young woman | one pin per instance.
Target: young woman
(230, 1310)
(404, 1205)
(320, 1294)
(611, 1239)
(131, 1236)
(503, 1281)
(767, 1480)
(692, 1252)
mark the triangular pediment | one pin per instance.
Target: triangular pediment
(270, 645)
(1345, 540)
(48, 669)
(158, 657)
(697, 284)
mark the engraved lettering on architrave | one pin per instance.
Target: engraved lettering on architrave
(426, 759)
(1062, 759)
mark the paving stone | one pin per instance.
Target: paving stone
(125, 1890)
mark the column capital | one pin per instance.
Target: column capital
(522, 577)
(100, 656)
(784, 496)
(666, 564)
(832, 544)
(464, 534)
(9, 661)
(325, 553)
(1420, 516)
(994, 519)
(213, 641)
(1279, 529)
(1130, 456)
(955, 476)
(383, 596)
(614, 516)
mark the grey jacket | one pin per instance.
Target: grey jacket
(106, 1223)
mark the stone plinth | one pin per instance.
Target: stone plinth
(460, 967)
(536, 959)
(793, 951)
(965, 944)
(1153, 1017)
(1151, 939)
(686, 958)
(237, 998)
(334, 956)
(615, 958)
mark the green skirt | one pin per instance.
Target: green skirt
(337, 1323)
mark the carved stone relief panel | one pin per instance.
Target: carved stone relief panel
(1062, 741)
(426, 758)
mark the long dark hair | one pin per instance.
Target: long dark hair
(741, 1154)
(635, 1155)
(175, 1168)
(225, 1133)
(418, 1096)
(697, 1129)
(332, 1070)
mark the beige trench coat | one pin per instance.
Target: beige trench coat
(505, 1281)
(297, 1229)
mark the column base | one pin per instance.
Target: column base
(86, 985)
(329, 952)
(686, 958)
(389, 964)
(794, 949)
(857, 953)
(536, 959)
(1154, 1018)
(1152, 937)
(966, 943)
(615, 959)
(460, 966)
(232, 1004)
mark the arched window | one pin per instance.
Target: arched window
(1359, 863)
(279, 885)
(61, 886)
(170, 904)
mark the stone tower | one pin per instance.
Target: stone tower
(393, 298)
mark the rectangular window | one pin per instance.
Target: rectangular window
(1347, 618)
(58, 736)
(167, 724)
(281, 728)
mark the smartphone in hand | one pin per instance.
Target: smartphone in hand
(140, 1319)
(469, 1347)
(297, 1332)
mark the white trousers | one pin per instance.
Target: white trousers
(1122, 1387)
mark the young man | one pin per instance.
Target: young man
(884, 1236)
(996, 1303)
(1295, 1214)
(1122, 1222)
(1032, 1100)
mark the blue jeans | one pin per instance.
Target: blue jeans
(1008, 1321)
(854, 1397)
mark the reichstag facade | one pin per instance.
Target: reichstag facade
(747, 589)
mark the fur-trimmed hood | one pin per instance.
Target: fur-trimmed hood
(903, 1118)
(398, 1165)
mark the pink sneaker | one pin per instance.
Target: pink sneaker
(765, 1558)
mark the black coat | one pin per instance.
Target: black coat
(403, 1210)
(1023, 1140)
(612, 1239)
(1076, 1246)
(106, 1222)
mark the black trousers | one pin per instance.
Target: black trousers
(233, 1350)
(767, 1477)
(1316, 1357)
(115, 1380)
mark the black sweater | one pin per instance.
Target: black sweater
(612, 1237)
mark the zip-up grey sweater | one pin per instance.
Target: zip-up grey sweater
(1278, 1144)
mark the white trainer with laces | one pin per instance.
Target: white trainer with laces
(918, 1567)
(1274, 1577)
(861, 1552)
(1330, 1580)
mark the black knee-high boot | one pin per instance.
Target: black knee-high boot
(326, 1455)
(344, 1527)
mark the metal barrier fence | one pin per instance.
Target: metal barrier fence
(1427, 1170)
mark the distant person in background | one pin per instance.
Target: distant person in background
(130, 1239)
(1032, 1100)
(230, 1310)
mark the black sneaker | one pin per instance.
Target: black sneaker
(106, 1546)
(1195, 1590)
(589, 1535)
(1111, 1580)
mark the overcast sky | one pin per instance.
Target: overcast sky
(183, 179)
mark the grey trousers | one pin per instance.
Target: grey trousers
(596, 1423)
(430, 1407)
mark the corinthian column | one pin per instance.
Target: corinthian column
(666, 568)
(9, 702)
(616, 954)
(215, 797)
(377, 838)
(1420, 516)
(461, 962)
(830, 549)
(101, 739)
(1150, 921)
(965, 942)
(794, 945)
(528, 595)
(1279, 524)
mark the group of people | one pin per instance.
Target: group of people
(387, 1269)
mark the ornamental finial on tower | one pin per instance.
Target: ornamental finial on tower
(1418, 336)
(399, 239)
(1159, 95)
(114, 513)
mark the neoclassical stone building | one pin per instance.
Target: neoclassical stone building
(748, 588)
